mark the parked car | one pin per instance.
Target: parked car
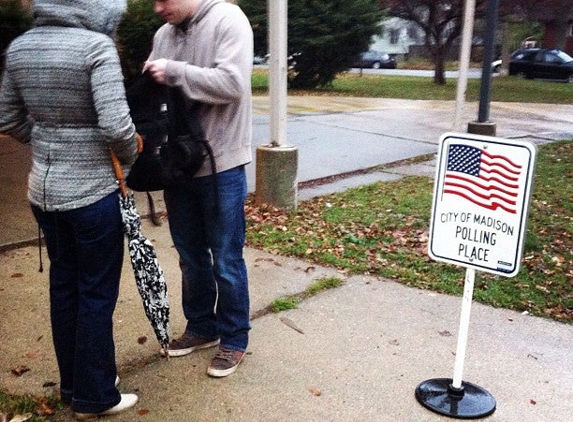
(261, 59)
(375, 60)
(541, 63)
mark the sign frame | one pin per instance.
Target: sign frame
(458, 219)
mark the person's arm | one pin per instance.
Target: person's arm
(229, 74)
(110, 103)
(15, 120)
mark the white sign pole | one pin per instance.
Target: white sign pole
(464, 328)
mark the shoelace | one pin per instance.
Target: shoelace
(225, 354)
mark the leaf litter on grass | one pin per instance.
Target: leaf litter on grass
(382, 229)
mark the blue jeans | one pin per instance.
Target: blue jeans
(85, 247)
(209, 234)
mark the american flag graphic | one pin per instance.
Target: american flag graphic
(489, 181)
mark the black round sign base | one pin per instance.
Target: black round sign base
(467, 402)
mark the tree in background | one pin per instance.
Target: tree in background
(15, 19)
(135, 35)
(325, 36)
(441, 21)
(554, 13)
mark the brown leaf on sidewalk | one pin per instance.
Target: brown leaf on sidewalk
(33, 354)
(19, 370)
(142, 412)
(142, 340)
(17, 275)
(291, 324)
(315, 392)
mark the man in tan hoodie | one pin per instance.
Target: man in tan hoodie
(206, 51)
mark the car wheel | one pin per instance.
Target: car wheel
(376, 65)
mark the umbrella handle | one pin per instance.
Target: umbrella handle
(118, 173)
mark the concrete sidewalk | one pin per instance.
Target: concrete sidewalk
(355, 353)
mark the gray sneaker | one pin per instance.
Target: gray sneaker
(188, 343)
(225, 362)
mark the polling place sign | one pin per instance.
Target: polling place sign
(481, 198)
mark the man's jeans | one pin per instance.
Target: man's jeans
(207, 224)
(85, 247)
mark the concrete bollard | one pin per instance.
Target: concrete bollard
(482, 128)
(276, 176)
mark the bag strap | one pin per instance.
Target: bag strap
(183, 119)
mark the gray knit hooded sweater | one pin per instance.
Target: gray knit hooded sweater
(63, 91)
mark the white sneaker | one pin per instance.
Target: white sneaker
(116, 381)
(127, 402)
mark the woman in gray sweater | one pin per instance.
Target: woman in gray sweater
(62, 92)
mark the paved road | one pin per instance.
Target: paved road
(473, 73)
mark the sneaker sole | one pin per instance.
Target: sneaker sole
(220, 373)
(183, 352)
(127, 402)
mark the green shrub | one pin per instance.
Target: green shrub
(135, 35)
(14, 21)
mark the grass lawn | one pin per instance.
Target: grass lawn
(504, 89)
(382, 229)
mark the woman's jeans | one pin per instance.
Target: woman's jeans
(207, 224)
(85, 247)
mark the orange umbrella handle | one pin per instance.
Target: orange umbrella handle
(118, 173)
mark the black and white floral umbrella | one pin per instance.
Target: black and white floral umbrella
(148, 274)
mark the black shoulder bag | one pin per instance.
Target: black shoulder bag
(174, 147)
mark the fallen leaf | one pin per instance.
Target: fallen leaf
(33, 354)
(142, 340)
(532, 401)
(17, 275)
(19, 370)
(315, 392)
(142, 412)
(44, 410)
(291, 324)
(22, 418)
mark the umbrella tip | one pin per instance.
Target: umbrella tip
(163, 352)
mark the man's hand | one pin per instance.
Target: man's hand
(156, 69)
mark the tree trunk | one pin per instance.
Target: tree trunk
(439, 67)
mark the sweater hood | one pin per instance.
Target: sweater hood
(205, 6)
(101, 16)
